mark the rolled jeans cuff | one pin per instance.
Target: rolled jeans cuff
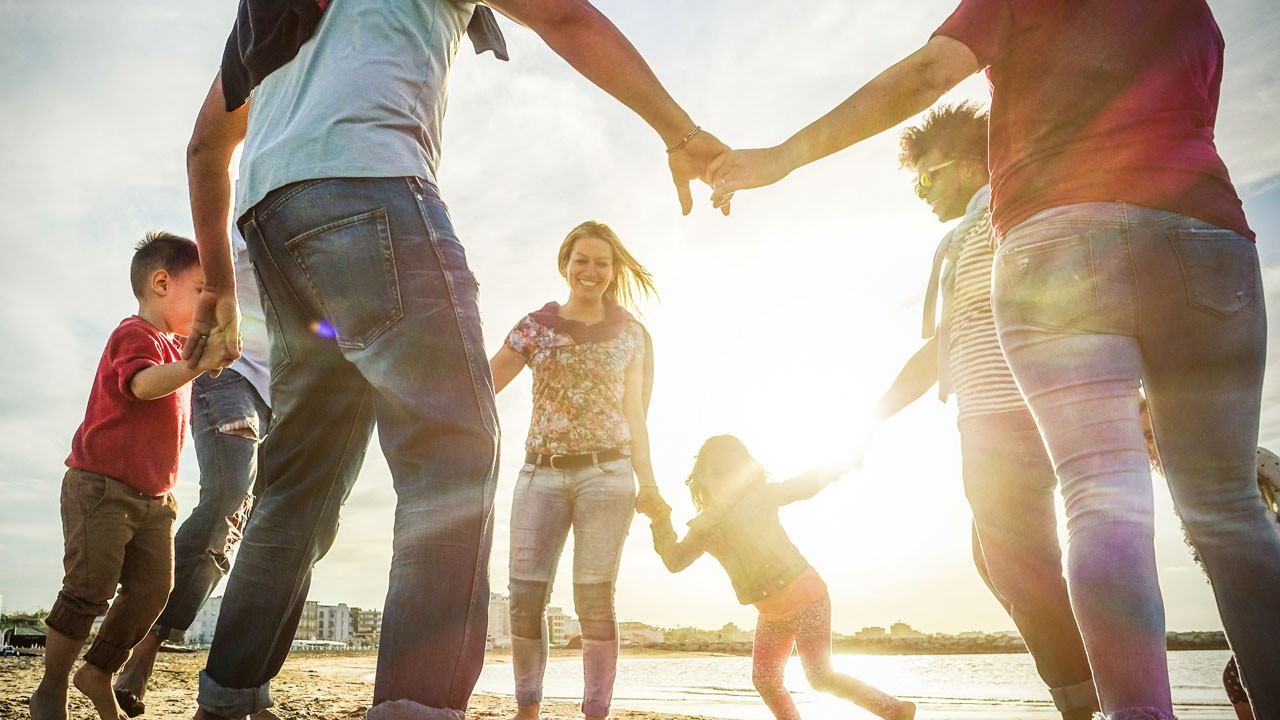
(67, 621)
(106, 656)
(232, 702)
(168, 634)
(410, 710)
(1083, 695)
(1141, 713)
(529, 697)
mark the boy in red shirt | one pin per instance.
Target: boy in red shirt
(117, 509)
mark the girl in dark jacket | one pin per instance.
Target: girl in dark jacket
(738, 525)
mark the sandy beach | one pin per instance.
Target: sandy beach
(315, 686)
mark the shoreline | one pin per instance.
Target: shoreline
(312, 685)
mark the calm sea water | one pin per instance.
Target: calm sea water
(967, 687)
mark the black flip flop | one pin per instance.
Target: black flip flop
(129, 703)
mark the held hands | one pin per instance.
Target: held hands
(649, 502)
(745, 169)
(693, 161)
(214, 342)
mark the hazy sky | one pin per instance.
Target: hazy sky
(780, 324)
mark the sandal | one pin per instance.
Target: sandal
(130, 703)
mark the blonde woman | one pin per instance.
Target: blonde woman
(592, 368)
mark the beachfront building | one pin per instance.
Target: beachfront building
(307, 621)
(731, 633)
(638, 633)
(366, 628)
(333, 623)
(499, 632)
(903, 630)
(561, 627)
(871, 632)
(201, 631)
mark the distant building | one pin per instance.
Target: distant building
(871, 633)
(499, 632)
(903, 630)
(307, 622)
(731, 633)
(561, 627)
(638, 633)
(366, 627)
(23, 637)
(206, 621)
(333, 623)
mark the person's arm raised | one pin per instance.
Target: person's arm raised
(908, 87)
(216, 326)
(916, 377)
(578, 32)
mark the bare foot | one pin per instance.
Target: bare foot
(95, 683)
(526, 712)
(49, 703)
(264, 715)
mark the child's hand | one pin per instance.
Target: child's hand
(649, 502)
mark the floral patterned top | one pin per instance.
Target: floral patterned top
(577, 388)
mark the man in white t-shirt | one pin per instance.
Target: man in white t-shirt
(373, 317)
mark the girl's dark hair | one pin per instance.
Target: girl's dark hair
(725, 447)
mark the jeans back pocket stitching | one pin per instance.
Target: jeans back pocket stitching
(1023, 252)
(379, 216)
(1194, 298)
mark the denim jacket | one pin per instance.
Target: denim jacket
(746, 537)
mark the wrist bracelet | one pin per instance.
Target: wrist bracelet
(685, 140)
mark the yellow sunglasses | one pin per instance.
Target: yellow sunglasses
(924, 181)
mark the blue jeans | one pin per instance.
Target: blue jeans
(1091, 301)
(1010, 485)
(597, 503)
(228, 421)
(373, 318)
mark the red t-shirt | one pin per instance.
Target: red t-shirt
(134, 441)
(1101, 100)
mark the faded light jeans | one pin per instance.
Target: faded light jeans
(1093, 300)
(372, 316)
(228, 422)
(597, 503)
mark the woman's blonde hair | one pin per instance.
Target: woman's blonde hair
(630, 278)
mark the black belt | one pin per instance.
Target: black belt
(573, 462)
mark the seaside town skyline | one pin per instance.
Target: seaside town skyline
(891, 540)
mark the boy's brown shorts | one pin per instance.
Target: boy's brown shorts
(113, 535)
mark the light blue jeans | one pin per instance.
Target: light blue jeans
(228, 422)
(1093, 300)
(597, 503)
(373, 318)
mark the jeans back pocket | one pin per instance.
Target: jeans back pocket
(1052, 284)
(351, 268)
(1219, 267)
